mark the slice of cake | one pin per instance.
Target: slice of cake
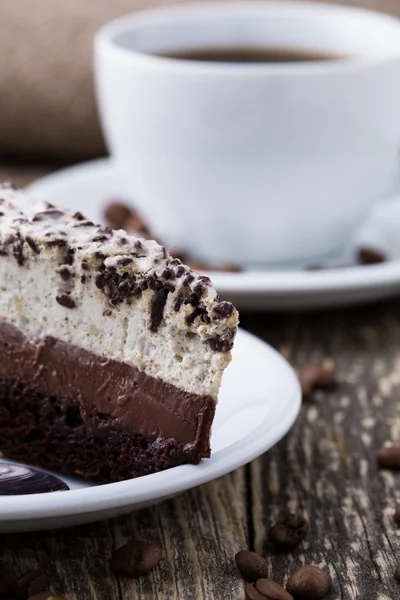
(111, 352)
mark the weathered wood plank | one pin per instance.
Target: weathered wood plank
(326, 466)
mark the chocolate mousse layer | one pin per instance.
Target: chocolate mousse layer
(71, 410)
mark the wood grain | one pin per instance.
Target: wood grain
(325, 467)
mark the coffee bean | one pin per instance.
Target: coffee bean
(370, 256)
(117, 214)
(266, 589)
(47, 596)
(397, 573)
(388, 457)
(251, 565)
(29, 583)
(286, 535)
(135, 558)
(230, 268)
(309, 583)
(316, 377)
(136, 224)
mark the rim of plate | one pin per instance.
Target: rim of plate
(253, 282)
(171, 481)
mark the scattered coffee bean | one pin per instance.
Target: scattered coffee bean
(136, 224)
(135, 558)
(47, 596)
(396, 515)
(397, 573)
(117, 214)
(266, 589)
(29, 583)
(287, 534)
(230, 268)
(370, 256)
(388, 457)
(309, 583)
(197, 265)
(251, 565)
(316, 377)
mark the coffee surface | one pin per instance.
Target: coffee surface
(247, 54)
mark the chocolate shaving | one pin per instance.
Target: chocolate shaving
(222, 343)
(100, 281)
(84, 224)
(179, 271)
(65, 300)
(65, 273)
(78, 216)
(56, 243)
(123, 262)
(188, 280)
(17, 248)
(33, 245)
(69, 257)
(52, 213)
(223, 309)
(100, 238)
(157, 308)
(178, 303)
(200, 310)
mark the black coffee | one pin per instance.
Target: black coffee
(245, 54)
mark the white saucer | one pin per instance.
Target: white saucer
(259, 401)
(88, 187)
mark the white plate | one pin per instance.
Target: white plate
(259, 401)
(89, 186)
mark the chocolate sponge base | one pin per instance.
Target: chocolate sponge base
(58, 434)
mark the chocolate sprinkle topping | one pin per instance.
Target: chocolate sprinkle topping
(78, 216)
(157, 308)
(65, 300)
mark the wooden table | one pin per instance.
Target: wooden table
(325, 467)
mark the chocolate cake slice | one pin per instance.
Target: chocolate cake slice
(111, 352)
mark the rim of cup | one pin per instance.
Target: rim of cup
(118, 36)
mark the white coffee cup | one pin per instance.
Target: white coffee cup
(253, 164)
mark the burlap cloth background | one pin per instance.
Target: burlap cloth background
(47, 106)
